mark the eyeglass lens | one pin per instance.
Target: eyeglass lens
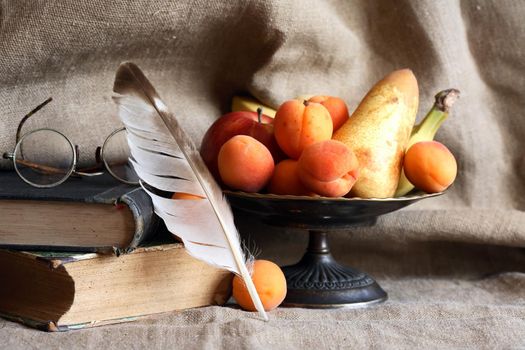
(44, 158)
(115, 154)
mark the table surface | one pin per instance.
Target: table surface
(456, 295)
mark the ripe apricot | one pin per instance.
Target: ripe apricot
(285, 180)
(269, 282)
(335, 106)
(329, 168)
(245, 164)
(299, 124)
(430, 166)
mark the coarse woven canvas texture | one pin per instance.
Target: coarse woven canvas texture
(454, 266)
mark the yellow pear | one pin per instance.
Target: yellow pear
(378, 132)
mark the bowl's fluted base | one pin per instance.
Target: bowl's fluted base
(318, 281)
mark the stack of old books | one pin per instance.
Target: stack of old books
(90, 252)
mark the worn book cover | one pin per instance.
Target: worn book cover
(58, 291)
(82, 214)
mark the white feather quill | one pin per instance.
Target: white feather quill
(165, 159)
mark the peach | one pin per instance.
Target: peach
(299, 124)
(245, 164)
(430, 166)
(285, 180)
(335, 106)
(329, 168)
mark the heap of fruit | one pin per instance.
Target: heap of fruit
(312, 147)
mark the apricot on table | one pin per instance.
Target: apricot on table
(430, 166)
(245, 164)
(269, 282)
(336, 107)
(299, 124)
(285, 180)
(329, 168)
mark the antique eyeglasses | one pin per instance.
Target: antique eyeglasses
(46, 157)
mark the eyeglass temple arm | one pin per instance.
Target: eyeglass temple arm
(48, 169)
(36, 166)
(36, 109)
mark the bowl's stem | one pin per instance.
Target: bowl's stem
(318, 281)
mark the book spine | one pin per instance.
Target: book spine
(146, 222)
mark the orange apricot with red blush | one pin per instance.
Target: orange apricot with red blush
(298, 124)
(430, 166)
(329, 168)
(245, 164)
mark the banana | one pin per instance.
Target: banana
(243, 103)
(426, 130)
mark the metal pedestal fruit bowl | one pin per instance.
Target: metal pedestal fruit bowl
(318, 280)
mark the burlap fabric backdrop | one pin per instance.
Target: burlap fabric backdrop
(453, 266)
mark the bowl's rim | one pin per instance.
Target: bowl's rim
(268, 196)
